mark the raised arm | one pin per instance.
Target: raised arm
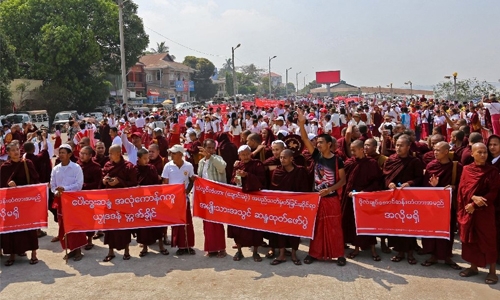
(301, 120)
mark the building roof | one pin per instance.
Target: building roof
(272, 74)
(161, 61)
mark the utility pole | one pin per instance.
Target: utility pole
(297, 82)
(286, 82)
(270, 58)
(122, 53)
(235, 84)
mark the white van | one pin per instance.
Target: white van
(38, 118)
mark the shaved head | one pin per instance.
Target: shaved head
(115, 149)
(287, 152)
(371, 142)
(358, 144)
(478, 146)
(475, 137)
(442, 146)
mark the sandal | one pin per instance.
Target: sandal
(270, 254)
(190, 251)
(164, 252)
(221, 254)
(453, 265)
(491, 279)
(309, 260)
(468, 273)
(353, 254)
(428, 263)
(89, 247)
(180, 252)
(341, 261)
(33, 261)
(397, 258)
(108, 258)
(238, 256)
(376, 258)
(69, 255)
(10, 262)
(412, 261)
(276, 262)
(297, 262)
(143, 253)
(256, 257)
(78, 257)
(126, 256)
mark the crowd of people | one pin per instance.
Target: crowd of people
(300, 145)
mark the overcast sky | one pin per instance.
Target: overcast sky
(372, 42)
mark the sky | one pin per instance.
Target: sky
(372, 43)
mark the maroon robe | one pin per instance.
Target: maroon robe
(497, 203)
(193, 150)
(127, 177)
(342, 150)
(467, 158)
(254, 181)
(263, 154)
(92, 178)
(101, 160)
(477, 230)
(105, 136)
(43, 164)
(20, 241)
(362, 175)
(292, 181)
(228, 151)
(428, 157)
(148, 175)
(270, 164)
(418, 149)
(377, 121)
(159, 163)
(400, 170)
(458, 152)
(163, 145)
(442, 248)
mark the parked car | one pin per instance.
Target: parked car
(38, 118)
(98, 116)
(63, 117)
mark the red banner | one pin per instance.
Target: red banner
(247, 104)
(268, 102)
(23, 208)
(279, 212)
(417, 212)
(126, 208)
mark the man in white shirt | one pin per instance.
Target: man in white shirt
(356, 120)
(179, 171)
(67, 176)
(133, 147)
(116, 140)
(140, 122)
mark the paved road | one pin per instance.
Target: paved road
(199, 277)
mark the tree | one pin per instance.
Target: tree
(160, 48)
(229, 84)
(311, 85)
(204, 69)
(73, 43)
(8, 70)
(227, 68)
(467, 89)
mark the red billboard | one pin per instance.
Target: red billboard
(327, 77)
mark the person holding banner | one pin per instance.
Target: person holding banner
(18, 172)
(288, 177)
(118, 173)
(442, 172)
(213, 167)
(67, 176)
(363, 175)
(250, 174)
(477, 193)
(403, 170)
(329, 178)
(179, 171)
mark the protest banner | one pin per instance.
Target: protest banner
(278, 212)
(410, 212)
(268, 102)
(23, 208)
(124, 208)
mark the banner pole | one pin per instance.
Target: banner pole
(66, 246)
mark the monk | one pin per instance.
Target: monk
(329, 178)
(42, 160)
(156, 159)
(161, 141)
(100, 154)
(92, 177)
(429, 156)
(13, 173)
(228, 151)
(213, 167)
(442, 172)
(403, 170)
(250, 174)
(179, 171)
(494, 159)
(259, 151)
(118, 173)
(477, 193)
(67, 176)
(193, 150)
(467, 158)
(288, 177)
(147, 175)
(104, 131)
(362, 175)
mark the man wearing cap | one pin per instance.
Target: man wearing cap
(250, 174)
(67, 176)
(133, 147)
(179, 171)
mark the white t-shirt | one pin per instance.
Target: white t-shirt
(175, 174)
(453, 118)
(493, 107)
(335, 120)
(140, 122)
(117, 141)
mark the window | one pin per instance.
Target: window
(158, 75)
(149, 77)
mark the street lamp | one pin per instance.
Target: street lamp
(286, 81)
(305, 82)
(297, 81)
(122, 52)
(270, 58)
(411, 87)
(235, 86)
(390, 85)
(455, 74)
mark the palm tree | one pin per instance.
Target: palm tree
(160, 48)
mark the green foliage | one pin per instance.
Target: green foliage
(8, 70)
(160, 48)
(72, 44)
(204, 69)
(467, 89)
(229, 84)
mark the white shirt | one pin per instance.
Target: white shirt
(493, 107)
(439, 120)
(175, 174)
(453, 118)
(70, 177)
(236, 130)
(353, 122)
(131, 149)
(494, 161)
(335, 120)
(140, 122)
(328, 127)
(117, 141)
